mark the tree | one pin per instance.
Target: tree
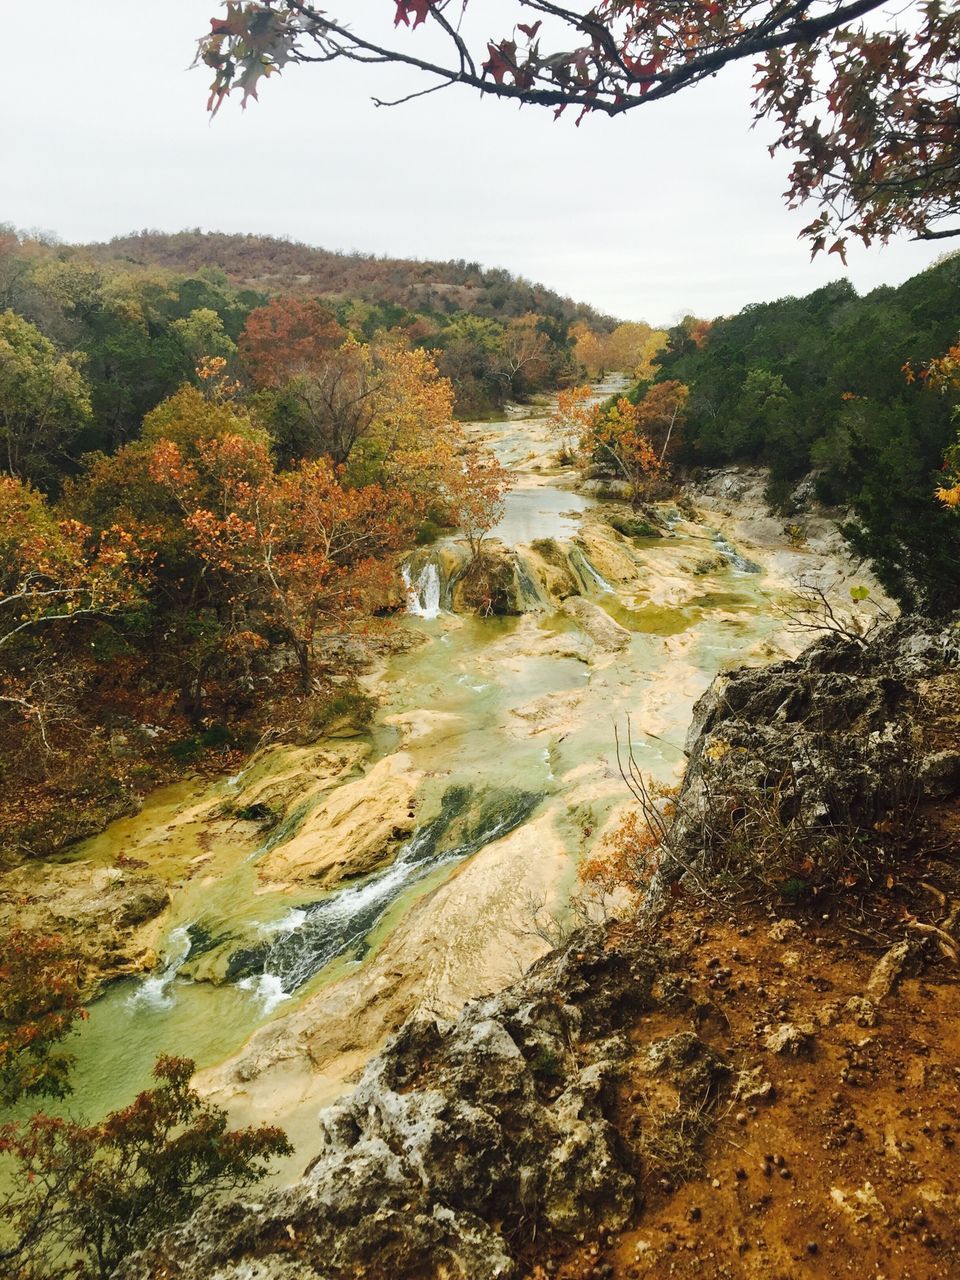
(616, 436)
(58, 571)
(589, 349)
(526, 354)
(203, 337)
(366, 405)
(469, 351)
(943, 374)
(477, 488)
(39, 1005)
(44, 401)
(869, 109)
(571, 418)
(637, 438)
(287, 338)
(633, 347)
(90, 1194)
(281, 555)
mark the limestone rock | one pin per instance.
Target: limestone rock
(862, 1011)
(598, 625)
(791, 1037)
(886, 972)
(783, 930)
(793, 762)
(462, 1139)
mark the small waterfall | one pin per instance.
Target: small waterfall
(154, 992)
(310, 937)
(423, 594)
(587, 573)
(733, 556)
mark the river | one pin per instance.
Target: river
(489, 768)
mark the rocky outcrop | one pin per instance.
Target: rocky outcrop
(109, 914)
(355, 828)
(799, 771)
(464, 1141)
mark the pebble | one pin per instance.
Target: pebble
(812, 1246)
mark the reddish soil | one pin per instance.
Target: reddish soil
(851, 1166)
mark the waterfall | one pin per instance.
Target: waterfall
(733, 556)
(586, 572)
(155, 990)
(310, 937)
(423, 595)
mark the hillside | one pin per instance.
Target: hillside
(833, 385)
(274, 265)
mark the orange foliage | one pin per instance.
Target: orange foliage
(572, 416)
(631, 853)
(287, 337)
(39, 1004)
(943, 374)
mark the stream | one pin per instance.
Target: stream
(493, 740)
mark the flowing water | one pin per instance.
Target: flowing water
(507, 728)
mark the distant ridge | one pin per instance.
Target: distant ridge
(277, 265)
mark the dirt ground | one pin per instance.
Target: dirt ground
(841, 1154)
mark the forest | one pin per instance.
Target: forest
(198, 472)
(480, 768)
(833, 386)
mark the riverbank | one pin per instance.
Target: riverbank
(326, 892)
(748, 1076)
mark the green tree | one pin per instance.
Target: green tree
(202, 334)
(44, 401)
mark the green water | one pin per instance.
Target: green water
(494, 707)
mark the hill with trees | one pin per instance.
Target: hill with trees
(833, 384)
(272, 265)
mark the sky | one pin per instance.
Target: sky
(674, 208)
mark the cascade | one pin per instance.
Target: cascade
(733, 556)
(586, 571)
(310, 937)
(155, 990)
(423, 593)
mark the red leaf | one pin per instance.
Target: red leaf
(419, 8)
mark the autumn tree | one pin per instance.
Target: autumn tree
(377, 407)
(289, 337)
(942, 375)
(864, 99)
(477, 487)
(39, 1006)
(636, 438)
(571, 418)
(615, 438)
(287, 554)
(44, 401)
(89, 1194)
(54, 573)
(632, 348)
(662, 413)
(525, 352)
(589, 349)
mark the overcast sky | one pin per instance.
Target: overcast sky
(674, 208)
